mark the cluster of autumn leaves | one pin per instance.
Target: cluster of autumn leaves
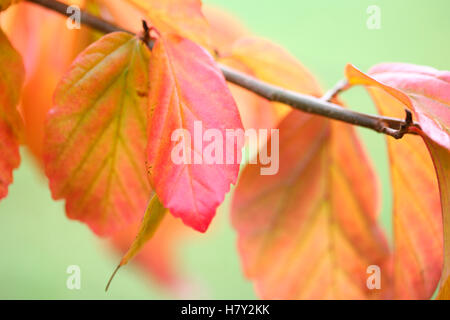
(101, 128)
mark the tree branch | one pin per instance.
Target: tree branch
(320, 106)
(86, 18)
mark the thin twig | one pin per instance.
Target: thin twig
(320, 106)
(334, 92)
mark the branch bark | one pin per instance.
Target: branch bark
(320, 106)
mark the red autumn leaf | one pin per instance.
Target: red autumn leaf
(417, 208)
(157, 256)
(182, 17)
(424, 90)
(310, 231)
(186, 86)
(11, 80)
(96, 134)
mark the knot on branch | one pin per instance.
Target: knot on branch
(404, 127)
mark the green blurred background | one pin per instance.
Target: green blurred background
(38, 243)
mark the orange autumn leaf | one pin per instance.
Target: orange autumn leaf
(256, 112)
(182, 17)
(96, 134)
(416, 211)
(273, 64)
(11, 80)
(262, 59)
(444, 292)
(4, 4)
(43, 56)
(122, 13)
(188, 91)
(417, 207)
(310, 231)
(441, 159)
(225, 29)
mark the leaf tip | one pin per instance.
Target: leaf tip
(113, 275)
